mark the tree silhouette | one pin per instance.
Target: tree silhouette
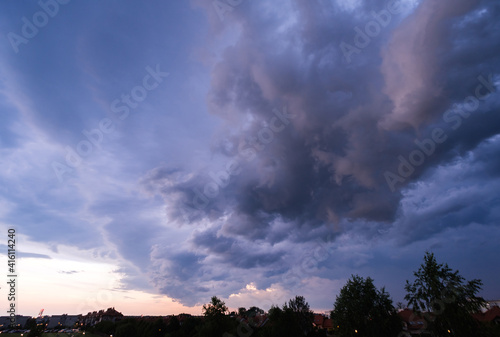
(217, 323)
(301, 313)
(362, 310)
(215, 308)
(444, 299)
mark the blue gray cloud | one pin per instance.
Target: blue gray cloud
(291, 144)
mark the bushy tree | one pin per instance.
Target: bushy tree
(274, 312)
(128, 329)
(173, 325)
(216, 308)
(157, 328)
(189, 328)
(217, 323)
(293, 320)
(253, 311)
(362, 310)
(35, 330)
(301, 313)
(443, 297)
(106, 327)
(242, 311)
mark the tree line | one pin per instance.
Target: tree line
(443, 299)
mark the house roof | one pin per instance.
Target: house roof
(112, 313)
(327, 323)
(412, 320)
(408, 315)
(489, 315)
(318, 319)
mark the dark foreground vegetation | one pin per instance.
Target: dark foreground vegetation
(441, 303)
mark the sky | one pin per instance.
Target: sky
(154, 154)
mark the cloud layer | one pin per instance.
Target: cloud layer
(321, 170)
(292, 144)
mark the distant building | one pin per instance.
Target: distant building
(415, 324)
(322, 322)
(92, 318)
(412, 323)
(54, 322)
(63, 321)
(490, 316)
(72, 320)
(318, 320)
(20, 322)
(42, 320)
(328, 325)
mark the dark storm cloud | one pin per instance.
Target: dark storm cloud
(438, 203)
(178, 274)
(348, 121)
(234, 253)
(329, 161)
